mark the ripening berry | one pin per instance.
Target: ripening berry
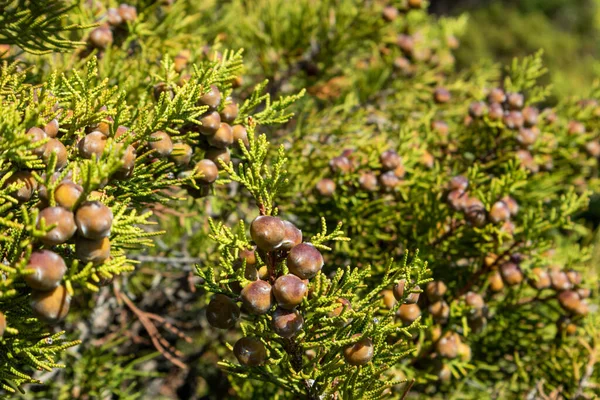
(474, 300)
(475, 212)
(530, 116)
(161, 143)
(512, 205)
(56, 147)
(444, 374)
(459, 182)
(593, 148)
(182, 154)
(128, 160)
(408, 313)
(257, 297)
(305, 261)
(441, 95)
(207, 170)
(388, 180)
(528, 136)
(541, 278)
(574, 277)
(127, 13)
(267, 232)
(565, 326)
(477, 109)
(48, 270)
(92, 145)
(212, 98)
(240, 133)
(559, 279)
(447, 346)
(37, 135)
(222, 312)
(584, 293)
(464, 351)
(499, 212)
(511, 274)
(390, 160)
(101, 37)
(215, 154)
(180, 60)
(286, 323)
(359, 353)
(248, 255)
(289, 290)
(435, 290)
(496, 95)
(496, 282)
(325, 187)
(390, 13)
(292, 237)
(95, 251)
(229, 113)
(513, 120)
(64, 225)
(223, 137)
(440, 127)
(340, 164)
(457, 199)
(67, 194)
(406, 43)
(398, 291)
(368, 181)
(51, 128)
(427, 159)
(576, 128)
(440, 311)
(211, 122)
(570, 301)
(527, 160)
(113, 18)
(495, 112)
(27, 182)
(51, 306)
(515, 101)
(94, 220)
(344, 306)
(250, 352)
(2, 324)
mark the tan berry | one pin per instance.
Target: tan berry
(64, 225)
(257, 297)
(47, 270)
(305, 261)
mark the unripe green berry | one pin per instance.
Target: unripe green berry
(92, 250)
(64, 225)
(267, 232)
(305, 261)
(286, 323)
(48, 270)
(51, 306)
(257, 297)
(289, 291)
(222, 312)
(161, 143)
(359, 353)
(250, 352)
(94, 220)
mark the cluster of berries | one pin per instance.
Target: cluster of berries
(115, 24)
(388, 177)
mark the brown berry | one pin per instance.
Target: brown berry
(477, 109)
(441, 95)
(267, 232)
(248, 255)
(161, 143)
(435, 290)
(475, 212)
(113, 17)
(240, 133)
(368, 181)
(229, 113)
(326, 187)
(530, 116)
(92, 145)
(293, 236)
(2, 324)
(359, 353)
(54, 146)
(515, 101)
(511, 274)
(211, 122)
(222, 312)
(289, 290)
(51, 306)
(390, 13)
(415, 3)
(457, 199)
(593, 148)
(101, 37)
(257, 297)
(215, 154)
(541, 279)
(48, 270)
(440, 310)
(528, 136)
(499, 212)
(496, 282)
(250, 352)
(408, 313)
(512, 205)
(27, 184)
(95, 251)
(67, 194)
(208, 171)
(37, 135)
(223, 137)
(344, 306)
(398, 291)
(127, 13)
(286, 323)
(212, 98)
(390, 160)
(513, 120)
(305, 261)
(389, 180)
(559, 279)
(94, 220)
(340, 164)
(570, 301)
(64, 225)
(182, 154)
(496, 96)
(576, 128)
(406, 43)
(447, 346)
(51, 128)
(495, 112)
